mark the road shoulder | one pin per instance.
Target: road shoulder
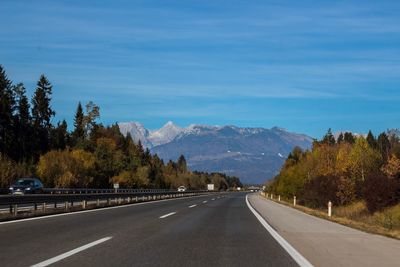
(325, 243)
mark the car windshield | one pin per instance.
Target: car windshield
(24, 182)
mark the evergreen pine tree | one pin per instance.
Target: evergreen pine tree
(349, 138)
(60, 136)
(79, 124)
(23, 127)
(42, 114)
(329, 138)
(371, 140)
(383, 145)
(340, 138)
(7, 107)
(182, 166)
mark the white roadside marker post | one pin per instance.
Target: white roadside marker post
(329, 209)
(279, 198)
(294, 201)
(272, 196)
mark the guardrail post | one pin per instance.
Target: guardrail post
(329, 209)
(66, 205)
(108, 202)
(44, 206)
(84, 204)
(55, 205)
(98, 202)
(294, 201)
(15, 209)
(136, 199)
(35, 206)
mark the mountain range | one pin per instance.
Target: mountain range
(252, 154)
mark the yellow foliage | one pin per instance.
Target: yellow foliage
(392, 168)
(343, 158)
(131, 179)
(363, 159)
(66, 168)
(106, 143)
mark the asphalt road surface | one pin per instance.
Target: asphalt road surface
(200, 231)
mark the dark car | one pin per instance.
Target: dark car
(26, 186)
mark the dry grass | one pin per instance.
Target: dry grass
(386, 222)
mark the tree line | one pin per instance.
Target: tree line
(343, 170)
(91, 155)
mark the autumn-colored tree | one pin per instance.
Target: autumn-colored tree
(11, 170)
(130, 179)
(392, 168)
(109, 162)
(325, 156)
(343, 162)
(363, 159)
(66, 169)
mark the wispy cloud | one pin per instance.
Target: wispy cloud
(217, 60)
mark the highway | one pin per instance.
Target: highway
(212, 230)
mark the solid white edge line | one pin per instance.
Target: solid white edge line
(166, 215)
(70, 253)
(95, 210)
(289, 249)
(192, 206)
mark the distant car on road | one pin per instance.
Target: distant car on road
(181, 188)
(26, 186)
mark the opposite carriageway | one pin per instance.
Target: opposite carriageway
(66, 200)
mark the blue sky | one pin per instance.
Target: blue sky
(302, 65)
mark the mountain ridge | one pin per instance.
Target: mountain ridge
(254, 154)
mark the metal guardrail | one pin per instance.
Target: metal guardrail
(97, 191)
(82, 199)
(5, 191)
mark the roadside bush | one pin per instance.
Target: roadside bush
(10, 171)
(380, 191)
(66, 168)
(131, 179)
(320, 190)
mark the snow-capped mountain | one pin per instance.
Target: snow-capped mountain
(253, 154)
(148, 138)
(165, 135)
(137, 132)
